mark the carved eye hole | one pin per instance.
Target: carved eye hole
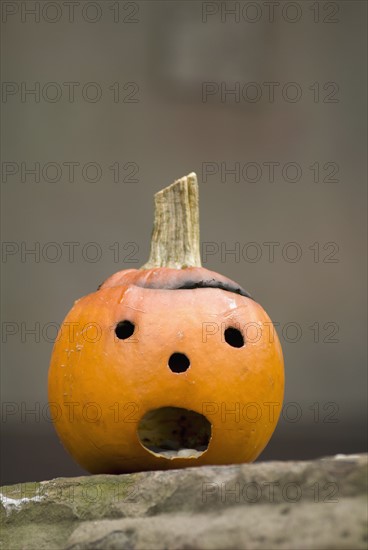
(234, 337)
(124, 329)
(179, 362)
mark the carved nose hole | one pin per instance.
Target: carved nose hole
(179, 362)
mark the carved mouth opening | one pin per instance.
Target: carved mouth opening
(173, 432)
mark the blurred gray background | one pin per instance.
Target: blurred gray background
(160, 107)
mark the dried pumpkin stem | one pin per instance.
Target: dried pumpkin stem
(175, 235)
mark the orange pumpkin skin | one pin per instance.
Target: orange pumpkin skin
(100, 386)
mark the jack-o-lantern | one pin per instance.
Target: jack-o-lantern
(167, 366)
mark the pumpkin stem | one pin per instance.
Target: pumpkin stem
(175, 235)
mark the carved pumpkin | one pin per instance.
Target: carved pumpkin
(167, 366)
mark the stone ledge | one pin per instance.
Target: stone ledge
(317, 505)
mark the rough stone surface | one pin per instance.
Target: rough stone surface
(271, 505)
